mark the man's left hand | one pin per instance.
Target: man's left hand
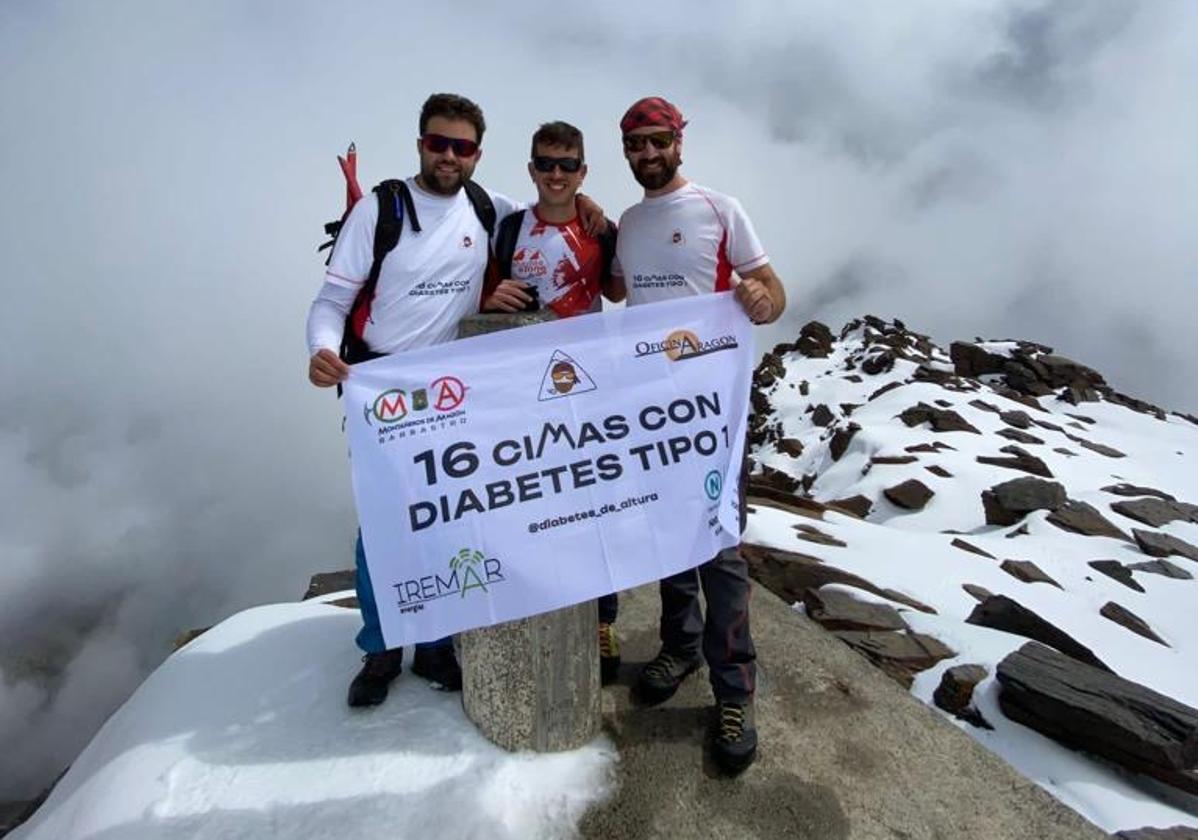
(590, 214)
(757, 303)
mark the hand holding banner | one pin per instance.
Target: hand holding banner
(514, 473)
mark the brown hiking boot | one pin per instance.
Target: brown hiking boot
(369, 687)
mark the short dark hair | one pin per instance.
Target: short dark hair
(558, 133)
(452, 107)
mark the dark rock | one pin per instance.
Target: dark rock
(350, 603)
(1101, 713)
(955, 693)
(972, 549)
(1156, 512)
(1135, 490)
(878, 363)
(1116, 571)
(979, 593)
(326, 583)
(1100, 448)
(1059, 371)
(822, 415)
(982, 405)
(899, 655)
(1028, 572)
(937, 470)
(1018, 419)
(941, 420)
(973, 361)
(1002, 613)
(848, 408)
(1157, 544)
(1177, 832)
(1090, 421)
(1007, 503)
(186, 636)
(1021, 531)
(912, 494)
(1052, 427)
(841, 439)
(1025, 399)
(889, 386)
(789, 574)
(921, 447)
(774, 479)
(943, 403)
(1081, 518)
(858, 506)
(854, 378)
(1126, 618)
(1075, 395)
(1161, 567)
(1023, 461)
(840, 611)
(815, 340)
(1060, 450)
(893, 459)
(812, 534)
(804, 388)
(790, 446)
(1018, 436)
(1133, 403)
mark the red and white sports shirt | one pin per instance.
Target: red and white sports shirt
(564, 263)
(686, 242)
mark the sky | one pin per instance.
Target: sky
(997, 168)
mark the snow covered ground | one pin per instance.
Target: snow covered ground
(908, 551)
(245, 734)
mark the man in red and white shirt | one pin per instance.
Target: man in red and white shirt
(544, 259)
(683, 239)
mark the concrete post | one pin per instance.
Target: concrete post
(532, 684)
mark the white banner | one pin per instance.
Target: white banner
(515, 473)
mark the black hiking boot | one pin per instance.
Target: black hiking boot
(661, 677)
(439, 666)
(609, 654)
(734, 736)
(369, 687)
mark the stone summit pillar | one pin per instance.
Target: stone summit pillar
(532, 684)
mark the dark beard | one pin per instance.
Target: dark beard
(431, 182)
(656, 179)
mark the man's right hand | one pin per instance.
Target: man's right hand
(509, 296)
(326, 369)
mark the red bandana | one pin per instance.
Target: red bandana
(652, 110)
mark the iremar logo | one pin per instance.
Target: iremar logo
(685, 344)
(469, 571)
(446, 393)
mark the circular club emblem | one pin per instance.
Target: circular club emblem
(448, 393)
(681, 343)
(390, 406)
(713, 485)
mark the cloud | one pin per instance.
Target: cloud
(1008, 167)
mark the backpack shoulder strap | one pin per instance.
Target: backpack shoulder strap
(395, 204)
(607, 247)
(484, 208)
(505, 242)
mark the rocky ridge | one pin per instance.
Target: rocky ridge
(1000, 486)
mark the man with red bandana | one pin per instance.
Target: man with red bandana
(683, 239)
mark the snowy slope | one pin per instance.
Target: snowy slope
(908, 551)
(245, 734)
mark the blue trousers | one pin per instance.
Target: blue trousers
(370, 637)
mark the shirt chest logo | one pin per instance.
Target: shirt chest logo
(529, 262)
(467, 242)
(678, 238)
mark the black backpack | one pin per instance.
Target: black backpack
(509, 231)
(395, 201)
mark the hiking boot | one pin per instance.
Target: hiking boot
(734, 739)
(369, 687)
(660, 678)
(439, 666)
(609, 654)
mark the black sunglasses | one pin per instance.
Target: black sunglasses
(569, 165)
(438, 143)
(661, 140)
